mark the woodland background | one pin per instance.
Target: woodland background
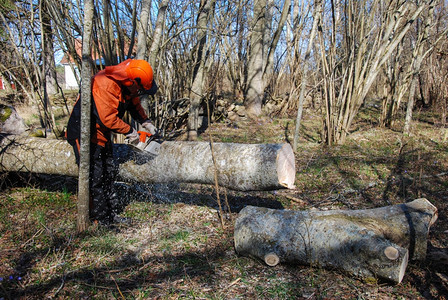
(263, 54)
(358, 87)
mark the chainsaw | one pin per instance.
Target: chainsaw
(147, 144)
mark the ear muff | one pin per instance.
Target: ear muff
(128, 83)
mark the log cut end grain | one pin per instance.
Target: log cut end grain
(391, 253)
(286, 168)
(271, 259)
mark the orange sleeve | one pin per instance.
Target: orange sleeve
(107, 97)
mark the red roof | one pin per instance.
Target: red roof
(66, 59)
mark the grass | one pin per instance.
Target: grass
(177, 249)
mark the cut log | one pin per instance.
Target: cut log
(239, 166)
(368, 243)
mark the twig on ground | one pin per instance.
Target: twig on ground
(60, 287)
(294, 199)
(215, 171)
(233, 282)
(39, 232)
(118, 288)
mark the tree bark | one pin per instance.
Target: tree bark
(142, 31)
(48, 54)
(316, 19)
(368, 243)
(199, 69)
(239, 166)
(255, 66)
(417, 59)
(272, 46)
(158, 33)
(84, 163)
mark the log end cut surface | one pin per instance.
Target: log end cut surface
(403, 267)
(286, 169)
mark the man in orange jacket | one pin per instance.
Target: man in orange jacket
(115, 90)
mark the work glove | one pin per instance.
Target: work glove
(149, 127)
(132, 138)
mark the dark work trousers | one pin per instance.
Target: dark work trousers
(104, 204)
(102, 177)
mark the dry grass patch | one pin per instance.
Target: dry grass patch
(177, 248)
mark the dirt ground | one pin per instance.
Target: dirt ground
(177, 247)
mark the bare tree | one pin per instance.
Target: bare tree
(255, 63)
(154, 50)
(48, 51)
(433, 82)
(295, 45)
(261, 52)
(369, 37)
(393, 94)
(199, 63)
(318, 7)
(158, 33)
(233, 45)
(418, 54)
(231, 52)
(142, 28)
(23, 26)
(105, 33)
(6, 46)
(84, 164)
(404, 71)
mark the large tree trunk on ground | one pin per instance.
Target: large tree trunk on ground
(239, 166)
(368, 243)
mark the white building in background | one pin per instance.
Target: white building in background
(70, 70)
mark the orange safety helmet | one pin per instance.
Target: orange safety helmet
(141, 69)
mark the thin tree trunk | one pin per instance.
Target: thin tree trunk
(142, 43)
(47, 73)
(106, 35)
(158, 33)
(142, 30)
(48, 55)
(267, 36)
(269, 76)
(84, 166)
(255, 67)
(316, 19)
(198, 75)
(129, 54)
(417, 58)
(154, 51)
(392, 89)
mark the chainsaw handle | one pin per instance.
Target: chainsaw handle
(144, 135)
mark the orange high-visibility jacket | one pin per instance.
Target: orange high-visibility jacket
(110, 102)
